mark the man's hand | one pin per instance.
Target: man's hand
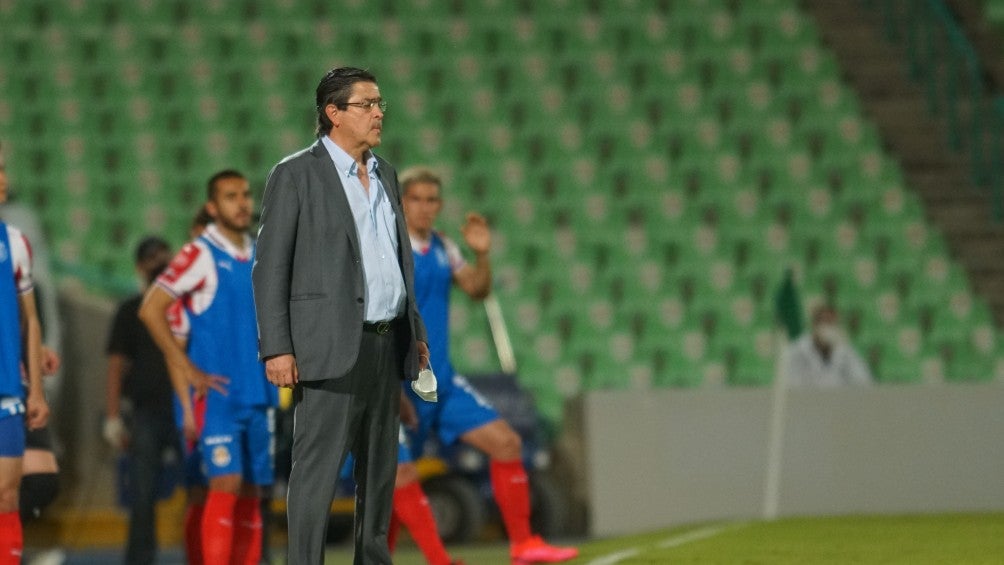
(114, 432)
(476, 233)
(202, 381)
(423, 354)
(281, 370)
(50, 361)
(38, 410)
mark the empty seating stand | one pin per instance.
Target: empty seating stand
(650, 169)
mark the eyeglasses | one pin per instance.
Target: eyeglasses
(370, 104)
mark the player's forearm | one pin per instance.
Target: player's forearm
(153, 314)
(179, 384)
(480, 279)
(182, 390)
(113, 392)
(33, 332)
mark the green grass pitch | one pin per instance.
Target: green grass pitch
(943, 539)
(970, 539)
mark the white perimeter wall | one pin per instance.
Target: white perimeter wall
(666, 457)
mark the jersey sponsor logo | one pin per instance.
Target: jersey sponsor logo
(181, 263)
(4, 254)
(221, 456)
(218, 440)
(225, 265)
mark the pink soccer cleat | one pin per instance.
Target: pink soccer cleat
(536, 550)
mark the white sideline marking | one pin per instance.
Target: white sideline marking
(688, 537)
(674, 541)
(615, 557)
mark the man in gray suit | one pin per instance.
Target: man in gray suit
(337, 320)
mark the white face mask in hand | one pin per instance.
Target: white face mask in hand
(425, 386)
(828, 334)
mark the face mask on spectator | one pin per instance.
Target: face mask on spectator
(828, 334)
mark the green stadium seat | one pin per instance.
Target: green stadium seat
(752, 360)
(936, 279)
(656, 162)
(901, 360)
(976, 356)
(680, 360)
(957, 316)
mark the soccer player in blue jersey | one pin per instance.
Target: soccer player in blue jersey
(461, 413)
(20, 346)
(212, 277)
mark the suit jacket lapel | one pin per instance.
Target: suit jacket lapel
(394, 195)
(333, 185)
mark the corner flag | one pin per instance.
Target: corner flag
(788, 306)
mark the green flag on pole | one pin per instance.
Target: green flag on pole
(788, 306)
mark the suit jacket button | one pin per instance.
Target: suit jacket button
(359, 300)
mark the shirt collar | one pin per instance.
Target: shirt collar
(344, 162)
(213, 234)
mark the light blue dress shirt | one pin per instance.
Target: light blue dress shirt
(376, 228)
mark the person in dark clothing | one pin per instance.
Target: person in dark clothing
(140, 408)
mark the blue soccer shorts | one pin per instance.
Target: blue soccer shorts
(459, 410)
(239, 440)
(11, 434)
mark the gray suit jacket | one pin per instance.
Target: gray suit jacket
(307, 275)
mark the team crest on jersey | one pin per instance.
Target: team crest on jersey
(4, 254)
(221, 456)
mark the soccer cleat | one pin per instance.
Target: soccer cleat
(535, 550)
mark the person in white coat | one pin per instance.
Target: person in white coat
(823, 358)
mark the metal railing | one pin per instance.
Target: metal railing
(943, 59)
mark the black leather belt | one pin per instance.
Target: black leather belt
(380, 328)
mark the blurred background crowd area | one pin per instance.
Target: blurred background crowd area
(651, 169)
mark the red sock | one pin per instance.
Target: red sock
(247, 532)
(411, 508)
(193, 533)
(11, 541)
(218, 527)
(393, 529)
(512, 494)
